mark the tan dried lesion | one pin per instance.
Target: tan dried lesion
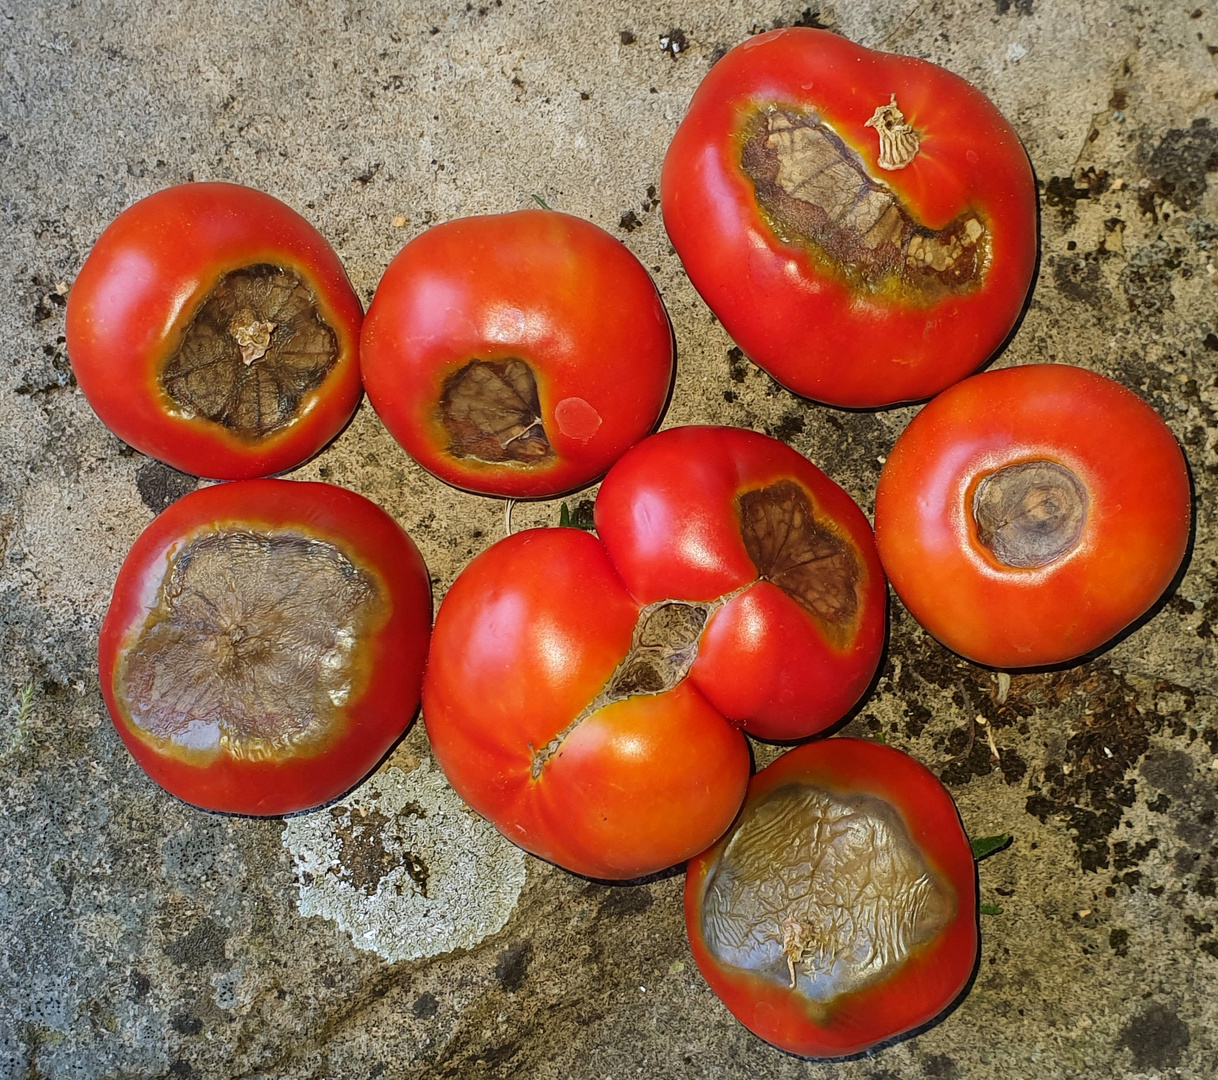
(1030, 514)
(254, 646)
(816, 191)
(791, 547)
(663, 647)
(491, 411)
(252, 353)
(822, 892)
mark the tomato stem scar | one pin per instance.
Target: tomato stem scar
(899, 142)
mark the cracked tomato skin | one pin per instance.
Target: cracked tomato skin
(803, 319)
(139, 289)
(535, 628)
(667, 514)
(390, 654)
(545, 288)
(934, 973)
(1131, 543)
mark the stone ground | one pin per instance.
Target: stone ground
(142, 938)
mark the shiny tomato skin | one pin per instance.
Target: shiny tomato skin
(933, 975)
(527, 636)
(392, 654)
(540, 286)
(1132, 543)
(143, 283)
(813, 331)
(667, 515)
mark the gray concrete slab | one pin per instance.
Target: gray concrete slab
(142, 938)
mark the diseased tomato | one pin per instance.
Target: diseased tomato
(517, 354)
(840, 910)
(863, 224)
(1027, 515)
(264, 646)
(214, 328)
(584, 695)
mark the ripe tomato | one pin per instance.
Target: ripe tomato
(863, 224)
(517, 354)
(265, 644)
(841, 908)
(1027, 515)
(214, 328)
(583, 695)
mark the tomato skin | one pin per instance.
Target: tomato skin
(547, 288)
(931, 977)
(667, 516)
(143, 282)
(371, 722)
(814, 333)
(1132, 544)
(535, 628)
(527, 637)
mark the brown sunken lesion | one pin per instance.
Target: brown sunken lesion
(252, 353)
(816, 191)
(254, 646)
(1030, 514)
(491, 412)
(823, 892)
(805, 558)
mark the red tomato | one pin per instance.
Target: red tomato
(517, 354)
(1027, 515)
(265, 644)
(863, 224)
(584, 695)
(214, 328)
(841, 908)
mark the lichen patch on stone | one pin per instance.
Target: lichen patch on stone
(404, 867)
(1030, 514)
(822, 892)
(805, 558)
(254, 350)
(253, 646)
(816, 191)
(491, 412)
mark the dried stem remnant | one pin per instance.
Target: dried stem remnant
(255, 348)
(253, 645)
(1031, 514)
(899, 142)
(807, 560)
(822, 892)
(491, 411)
(815, 190)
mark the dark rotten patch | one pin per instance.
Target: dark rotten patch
(253, 351)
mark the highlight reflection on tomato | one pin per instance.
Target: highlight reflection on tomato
(584, 695)
(264, 646)
(1028, 515)
(213, 328)
(840, 910)
(517, 354)
(863, 224)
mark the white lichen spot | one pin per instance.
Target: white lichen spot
(404, 867)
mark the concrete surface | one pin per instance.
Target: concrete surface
(142, 938)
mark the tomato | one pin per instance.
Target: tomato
(841, 908)
(863, 224)
(1028, 515)
(517, 354)
(585, 695)
(214, 328)
(264, 646)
